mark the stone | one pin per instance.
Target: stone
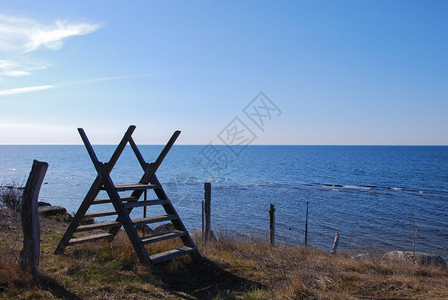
(362, 256)
(48, 211)
(163, 228)
(422, 259)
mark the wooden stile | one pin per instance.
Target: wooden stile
(124, 205)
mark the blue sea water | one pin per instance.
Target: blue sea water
(370, 195)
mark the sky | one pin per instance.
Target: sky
(254, 72)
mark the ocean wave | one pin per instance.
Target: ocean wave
(358, 187)
(393, 188)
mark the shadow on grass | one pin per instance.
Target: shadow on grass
(202, 279)
(48, 284)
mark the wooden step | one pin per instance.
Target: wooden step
(100, 214)
(107, 200)
(144, 203)
(162, 236)
(170, 254)
(90, 238)
(134, 187)
(155, 219)
(103, 225)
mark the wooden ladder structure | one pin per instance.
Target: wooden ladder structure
(124, 205)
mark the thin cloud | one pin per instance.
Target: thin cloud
(112, 78)
(52, 37)
(21, 66)
(20, 36)
(23, 90)
(25, 35)
(8, 92)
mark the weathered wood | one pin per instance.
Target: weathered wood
(124, 218)
(29, 256)
(272, 224)
(91, 194)
(103, 170)
(124, 205)
(203, 222)
(155, 219)
(207, 209)
(107, 200)
(134, 187)
(335, 244)
(163, 236)
(103, 225)
(144, 203)
(100, 214)
(170, 254)
(88, 238)
(149, 170)
(169, 208)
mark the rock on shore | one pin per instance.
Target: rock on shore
(47, 210)
(420, 258)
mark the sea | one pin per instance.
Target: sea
(375, 197)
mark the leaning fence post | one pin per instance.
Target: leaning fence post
(335, 244)
(29, 256)
(207, 196)
(272, 225)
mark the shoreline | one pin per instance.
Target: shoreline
(226, 269)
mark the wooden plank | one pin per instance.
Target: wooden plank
(125, 220)
(156, 219)
(107, 200)
(102, 225)
(169, 208)
(91, 194)
(162, 236)
(90, 238)
(144, 203)
(100, 214)
(133, 187)
(170, 254)
(103, 170)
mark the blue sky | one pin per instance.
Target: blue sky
(339, 72)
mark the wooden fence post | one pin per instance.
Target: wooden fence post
(306, 226)
(203, 223)
(335, 244)
(272, 224)
(207, 209)
(29, 256)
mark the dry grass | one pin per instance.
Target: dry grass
(232, 268)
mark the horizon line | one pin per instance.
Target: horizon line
(310, 145)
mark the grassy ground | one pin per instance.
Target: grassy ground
(228, 269)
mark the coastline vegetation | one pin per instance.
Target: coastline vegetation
(230, 268)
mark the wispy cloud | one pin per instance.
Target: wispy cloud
(8, 92)
(103, 79)
(20, 36)
(23, 35)
(25, 90)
